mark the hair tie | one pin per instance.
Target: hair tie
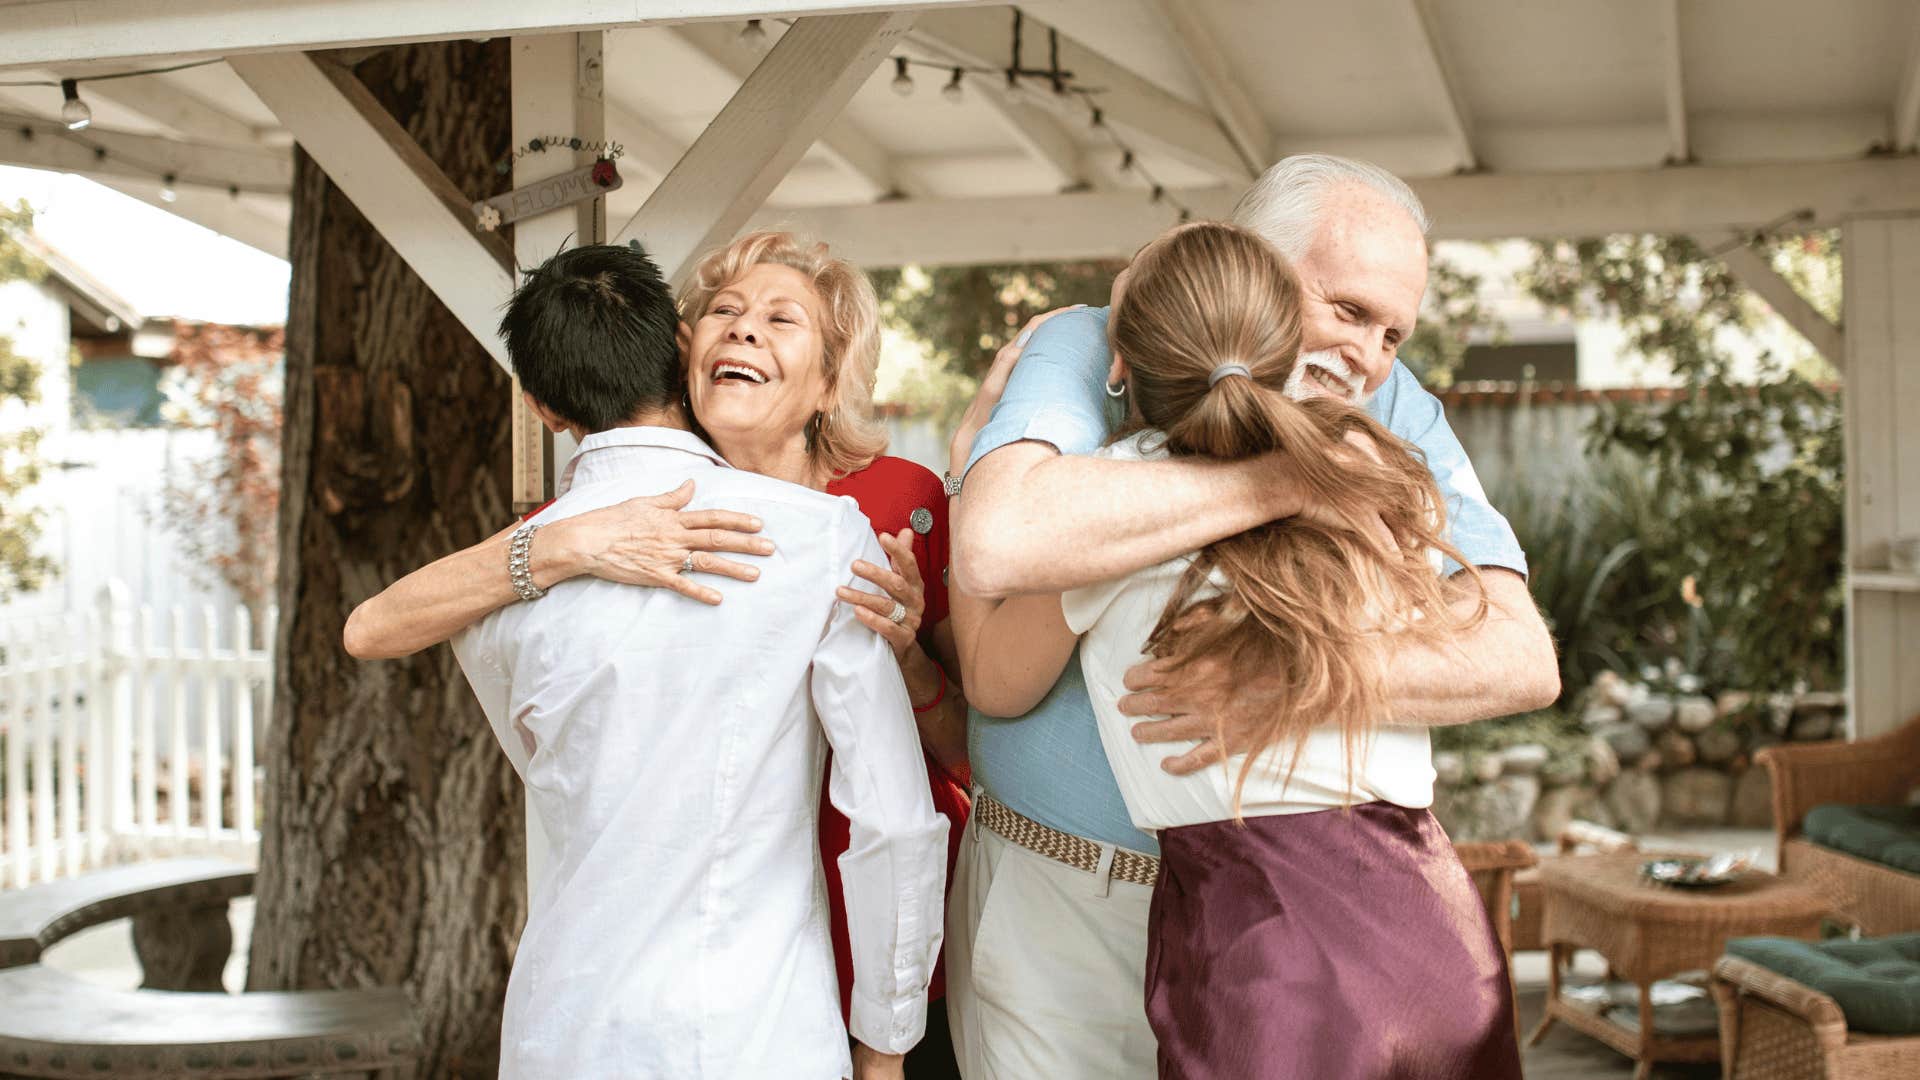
(1225, 370)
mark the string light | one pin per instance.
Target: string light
(73, 112)
(167, 192)
(952, 91)
(902, 82)
(753, 35)
(1015, 92)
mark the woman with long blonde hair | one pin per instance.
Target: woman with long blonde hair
(1310, 918)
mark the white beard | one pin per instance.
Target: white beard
(1329, 362)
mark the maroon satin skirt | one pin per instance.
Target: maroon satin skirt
(1339, 945)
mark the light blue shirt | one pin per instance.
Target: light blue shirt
(1049, 764)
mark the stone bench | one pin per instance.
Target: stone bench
(55, 1025)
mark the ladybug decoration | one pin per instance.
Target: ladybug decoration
(603, 172)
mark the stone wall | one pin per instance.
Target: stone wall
(1647, 758)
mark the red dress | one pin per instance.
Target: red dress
(889, 491)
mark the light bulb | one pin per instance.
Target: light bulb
(1015, 92)
(902, 81)
(167, 192)
(74, 113)
(753, 35)
(952, 91)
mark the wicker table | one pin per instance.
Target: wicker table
(1649, 932)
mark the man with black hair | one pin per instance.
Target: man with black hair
(672, 750)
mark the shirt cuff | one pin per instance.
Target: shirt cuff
(891, 1027)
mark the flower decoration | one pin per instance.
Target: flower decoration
(489, 217)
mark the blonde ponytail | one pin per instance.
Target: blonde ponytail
(1306, 601)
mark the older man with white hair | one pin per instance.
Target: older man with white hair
(1047, 918)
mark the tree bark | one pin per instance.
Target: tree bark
(393, 846)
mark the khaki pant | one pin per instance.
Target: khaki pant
(1046, 967)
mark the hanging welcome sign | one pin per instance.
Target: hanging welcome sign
(554, 192)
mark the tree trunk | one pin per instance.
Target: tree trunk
(393, 847)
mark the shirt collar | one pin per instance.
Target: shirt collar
(659, 438)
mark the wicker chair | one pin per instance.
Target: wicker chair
(1879, 771)
(1773, 1028)
(1493, 865)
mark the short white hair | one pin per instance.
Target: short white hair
(1284, 205)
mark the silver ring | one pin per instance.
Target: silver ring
(687, 566)
(898, 614)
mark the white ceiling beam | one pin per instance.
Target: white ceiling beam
(370, 157)
(1485, 206)
(781, 108)
(1134, 106)
(1036, 131)
(1751, 268)
(172, 107)
(210, 209)
(1431, 63)
(1679, 148)
(75, 32)
(1238, 115)
(146, 157)
(1906, 103)
(843, 142)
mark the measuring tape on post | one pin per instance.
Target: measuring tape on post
(532, 449)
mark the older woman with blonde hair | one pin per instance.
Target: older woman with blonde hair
(780, 342)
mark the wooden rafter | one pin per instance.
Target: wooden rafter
(99, 152)
(1130, 103)
(211, 209)
(1679, 147)
(1431, 61)
(1039, 133)
(1482, 206)
(1906, 103)
(1238, 115)
(781, 108)
(74, 32)
(370, 157)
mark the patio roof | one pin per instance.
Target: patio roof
(1512, 119)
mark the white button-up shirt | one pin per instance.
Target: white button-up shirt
(673, 755)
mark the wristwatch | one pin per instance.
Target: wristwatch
(951, 483)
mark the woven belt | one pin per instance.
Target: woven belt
(1076, 851)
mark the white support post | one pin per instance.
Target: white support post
(1431, 62)
(1163, 122)
(1679, 149)
(368, 155)
(1238, 115)
(558, 88)
(801, 85)
(1881, 257)
(1758, 275)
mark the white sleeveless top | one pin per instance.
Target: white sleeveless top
(1115, 618)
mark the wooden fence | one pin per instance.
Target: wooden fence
(128, 733)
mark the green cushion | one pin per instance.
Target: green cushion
(1888, 835)
(1876, 982)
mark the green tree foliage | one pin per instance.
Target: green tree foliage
(1733, 567)
(21, 570)
(962, 314)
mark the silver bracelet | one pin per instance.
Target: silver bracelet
(518, 570)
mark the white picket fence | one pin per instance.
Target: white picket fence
(114, 721)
